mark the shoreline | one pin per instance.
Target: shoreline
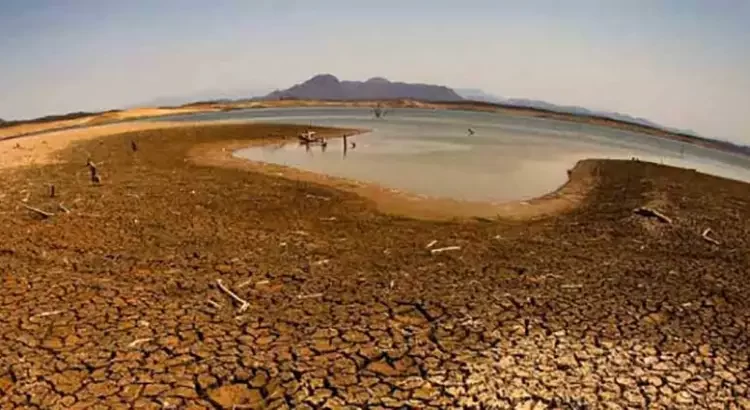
(41, 126)
(581, 180)
(42, 149)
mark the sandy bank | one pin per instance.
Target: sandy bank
(38, 126)
(40, 149)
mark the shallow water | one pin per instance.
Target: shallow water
(431, 153)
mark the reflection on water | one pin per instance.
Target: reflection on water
(431, 153)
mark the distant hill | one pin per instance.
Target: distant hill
(215, 95)
(479, 95)
(328, 87)
(475, 94)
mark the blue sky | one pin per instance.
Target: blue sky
(683, 63)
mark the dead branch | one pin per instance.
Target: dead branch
(45, 314)
(245, 283)
(707, 238)
(214, 303)
(136, 342)
(447, 248)
(572, 286)
(243, 302)
(649, 212)
(38, 211)
(63, 208)
(95, 178)
(431, 244)
(310, 296)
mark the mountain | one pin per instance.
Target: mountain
(479, 95)
(475, 94)
(204, 95)
(328, 87)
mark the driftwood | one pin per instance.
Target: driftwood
(95, 178)
(447, 248)
(310, 296)
(45, 314)
(38, 211)
(63, 208)
(136, 342)
(707, 238)
(243, 302)
(649, 212)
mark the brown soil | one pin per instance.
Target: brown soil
(116, 304)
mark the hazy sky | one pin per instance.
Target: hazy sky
(683, 63)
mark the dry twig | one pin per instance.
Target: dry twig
(649, 212)
(38, 211)
(63, 208)
(243, 302)
(310, 296)
(447, 248)
(45, 314)
(136, 342)
(707, 238)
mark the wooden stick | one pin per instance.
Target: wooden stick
(447, 248)
(136, 342)
(706, 238)
(45, 314)
(44, 214)
(234, 296)
(645, 211)
(63, 208)
(431, 244)
(310, 296)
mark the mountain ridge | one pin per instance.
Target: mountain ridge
(475, 94)
(329, 87)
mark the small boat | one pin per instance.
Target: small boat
(308, 137)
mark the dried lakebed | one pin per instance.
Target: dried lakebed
(108, 306)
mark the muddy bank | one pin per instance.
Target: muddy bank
(117, 302)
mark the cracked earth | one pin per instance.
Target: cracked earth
(116, 305)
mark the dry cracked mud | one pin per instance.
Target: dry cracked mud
(117, 305)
